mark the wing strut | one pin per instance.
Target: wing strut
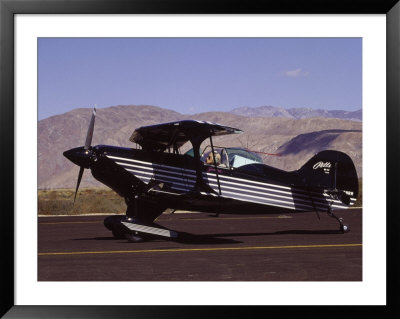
(215, 165)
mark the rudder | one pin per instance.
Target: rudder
(333, 171)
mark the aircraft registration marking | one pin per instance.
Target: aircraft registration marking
(194, 249)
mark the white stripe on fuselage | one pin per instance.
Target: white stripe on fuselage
(228, 183)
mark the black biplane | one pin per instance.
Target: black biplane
(227, 180)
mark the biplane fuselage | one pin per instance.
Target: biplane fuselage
(231, 190)
(156, 176)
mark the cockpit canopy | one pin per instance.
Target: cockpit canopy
(227, 157)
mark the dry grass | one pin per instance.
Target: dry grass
(88, 201)
(358, 202)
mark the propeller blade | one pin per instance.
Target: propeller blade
(88, 143)
(89, 134)
(79, 181)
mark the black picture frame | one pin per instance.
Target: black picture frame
(8, 10)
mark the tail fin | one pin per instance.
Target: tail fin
(333, 171)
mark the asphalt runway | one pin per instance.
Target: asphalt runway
(291, 247)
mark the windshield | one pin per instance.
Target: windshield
(235, 151)
(239, 157)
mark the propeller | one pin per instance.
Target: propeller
(88, 143)
(89, 134)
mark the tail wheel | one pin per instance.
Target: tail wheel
(344, 228)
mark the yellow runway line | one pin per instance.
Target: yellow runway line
(193, 249)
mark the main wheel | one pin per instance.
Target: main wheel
(111, 221)
(118, 234)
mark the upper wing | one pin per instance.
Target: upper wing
(161, 136)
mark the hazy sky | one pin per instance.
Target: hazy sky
(193, 75)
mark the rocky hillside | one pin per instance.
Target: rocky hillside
(295, 139)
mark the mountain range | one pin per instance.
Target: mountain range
(294, 139)
(297, 113)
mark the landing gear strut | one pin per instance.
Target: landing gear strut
(138, 223)
(343, 228)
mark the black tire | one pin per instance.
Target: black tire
(117, 234)
(111, 221)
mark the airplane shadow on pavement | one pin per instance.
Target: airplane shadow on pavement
(216, 239)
